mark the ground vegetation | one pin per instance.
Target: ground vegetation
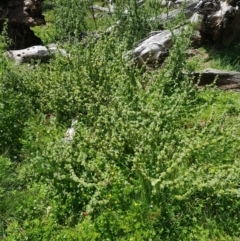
(153, 157)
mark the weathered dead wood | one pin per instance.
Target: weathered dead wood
(217, 24)
(32, 53)
(102, 9)
(37, 53)
(225, 80)
(111, 8)
(70, 131)
(187, 11)
(152, 49)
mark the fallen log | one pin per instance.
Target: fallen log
(102, 9)
(155, 47)
(35, 53)
(216, 23)
(152, 49)
(225, 80)
(32, 53)
(111, 8)
(187, 11)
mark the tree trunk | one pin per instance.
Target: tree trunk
(21, 15)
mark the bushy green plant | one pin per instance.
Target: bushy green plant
(15, 108)
(70, 18)
(7, 188)
(152, 158)
(134, 22)
(4, 39)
